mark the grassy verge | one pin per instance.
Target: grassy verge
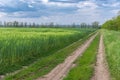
(85, 64)
(112, 48)
(44, 65)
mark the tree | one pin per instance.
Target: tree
(51, 24)
(83, 25)
(5, 24)
(33, 25)
(73, 25)
(0, 23)
(15, 24)
(113, 24)
(117, 23)
(118, 13)
(25, 24)
(95, 24)
(21, 24)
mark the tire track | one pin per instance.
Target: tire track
(59, 72)
(101, 69)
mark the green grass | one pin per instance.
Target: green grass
(44, 65)
(112, 47)
(85, 64)
(23, 46)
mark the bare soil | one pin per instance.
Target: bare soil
(1, 77)
(101, 68)
(60, 71)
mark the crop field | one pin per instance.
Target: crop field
(112, 47)
(21, 47)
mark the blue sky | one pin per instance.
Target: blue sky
(58, 11)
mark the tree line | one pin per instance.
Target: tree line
(17, 24)
(47, 25)
(112, 24)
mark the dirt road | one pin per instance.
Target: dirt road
(1, 77)
(62, 69)
(101, 70)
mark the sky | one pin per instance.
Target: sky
(58, 11)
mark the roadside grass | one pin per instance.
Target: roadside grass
(84, 68)
(112, 49)
(46, 64)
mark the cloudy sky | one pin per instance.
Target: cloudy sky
(58, 11)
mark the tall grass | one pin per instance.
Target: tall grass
(20, 47)
(112, 47)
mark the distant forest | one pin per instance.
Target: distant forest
(50, 25)
(113, 24)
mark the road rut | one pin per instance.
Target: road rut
(59, 72)
(101, 69)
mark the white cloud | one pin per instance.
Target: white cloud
(8, 3)
(87, 4)
(114, 4)
(22, 0)
(72, 18)
(2, 4)
(2, 14)
(115, 11)
(82, 4)
(64, 0)
(59, 4)
(45, 1)
(30, 6)
(58, 19)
